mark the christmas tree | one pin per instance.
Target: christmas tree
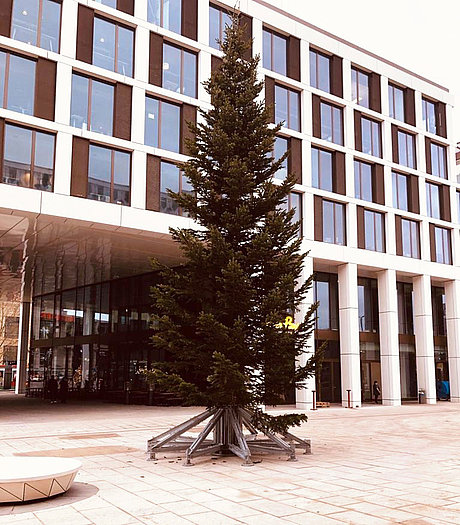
(220, 316)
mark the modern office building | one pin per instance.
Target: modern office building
(94, 100)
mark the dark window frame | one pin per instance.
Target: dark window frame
(181, 75)
(407, 136)
(8, 54)
(317, 69)
(273, 33)
(343, 213)
(356, 72)
(372, 129)
(289, 90)
(392, 102)
(159, 122)
(332, 107)
(417, 251)
(32, 153)
(374, 215)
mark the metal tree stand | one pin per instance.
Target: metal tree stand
(226, 425)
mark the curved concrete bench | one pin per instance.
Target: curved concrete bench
(31, 478)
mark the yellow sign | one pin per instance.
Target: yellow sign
(288, 324)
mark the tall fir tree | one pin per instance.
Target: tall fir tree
(220, 315)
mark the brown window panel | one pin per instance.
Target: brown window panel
(293, 58)
(394, 143)
(378, 184)
(409, 106)
(188, 114)
(190, 19)
(216, 63)
(270, 96)
(361, 237)
(398, 229)
(6, 11)
(156, 60)
(153, 183)
(358, 131)
(444, 195)
(85, 26)
(428, 155)
(80, 163)
(318, 208)
(338, 170)
(441, 126)
(245, 22)
(122, 111)
(45, 89)
(375, 96)
(336, 76)
(127, 6)
(295, 159)
(413, 194)
(316, 116)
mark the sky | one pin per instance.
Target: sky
(420, 35)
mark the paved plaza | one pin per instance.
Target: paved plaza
(372, 465)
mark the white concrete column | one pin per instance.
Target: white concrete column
(350, 362)
(63, 163)
(452, 290)
(142, 43)
(424, 344)
(304, 396)
(69, 15)
(389, 342)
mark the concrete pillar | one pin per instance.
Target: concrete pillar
(23, 345)
(452, 290)
(389, 341)
(350, 362)
(304, 396)
(424, 344)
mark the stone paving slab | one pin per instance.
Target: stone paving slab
(372, 465)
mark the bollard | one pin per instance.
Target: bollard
(349, 399)
(127, 392)
(314, 399)
(421, 396)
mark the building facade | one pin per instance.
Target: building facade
(95, 99)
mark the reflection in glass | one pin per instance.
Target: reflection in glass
(218, 21)
(429, 115)
(125, 51)
(17, 156)
(99, 173)
(171, 68)
(79, 103)
(432, 201)
(44, 161)
(104, 44)
(370, 137)
(50, 25)
(24, 22)
(410, 238)
(326, 293)
(360, 87)
(280, 148)
(321, 163)
(102, 107)
(442, 245)
(2, 76)
(438, 160)
(170, 126)
(169, 180)
(68, 314)
(396, 99)
(320, 71)
(373, 231)
(406, 149)
(363, 181)
(274, 52)
(333, 222)
(21, 85)
(189, 81)
(121, 177)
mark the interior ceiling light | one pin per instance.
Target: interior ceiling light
(24, 12)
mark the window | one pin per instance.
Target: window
(17, 83)
(326, 294)
(179, 70)
(334, 222)
(438, 307)
(405, 308)
(321, 167)
(442, 245)
(374, 231)
(28, 158)
(429, 115)
(113, 47)
(219, 19)
(400, 191)
(458, 206)
(370, 137)
(172, 179)
(396, 101)
(165, 13)
(275, 52)
(433, 207)
(162, 124)
(438, 160)
(109, 175)
(287, 107)
(37, 22)
(280, 148)
(363, 180)
(410, 238)
(331, 123)
(368, 305)
(92, 105)
(360, 87)
(406, 149)
(294, 202)
(108, 3)
(320, 71)
(12, 327)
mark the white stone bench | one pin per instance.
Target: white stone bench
(31, 478)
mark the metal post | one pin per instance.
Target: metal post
(349, 399)
(314, 399)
